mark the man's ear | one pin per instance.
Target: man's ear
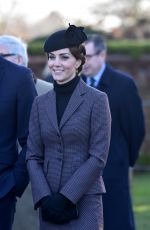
(20, 60)
(103, 54)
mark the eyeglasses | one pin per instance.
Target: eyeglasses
(89, 56)
(7, 55)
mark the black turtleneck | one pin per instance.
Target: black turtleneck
(63, 94)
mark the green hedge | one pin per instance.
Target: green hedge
(133, 48)
(36, 48)
(143, 160)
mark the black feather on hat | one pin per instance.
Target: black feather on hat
(73, 36)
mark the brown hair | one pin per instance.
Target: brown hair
(79, 53)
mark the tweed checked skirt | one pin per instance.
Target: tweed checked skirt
(90, 216)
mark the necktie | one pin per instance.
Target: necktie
(92, 83)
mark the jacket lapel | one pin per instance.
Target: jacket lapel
(105, 80)
(74, 102)
(50, 105)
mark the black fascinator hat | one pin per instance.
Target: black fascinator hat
(73, 36)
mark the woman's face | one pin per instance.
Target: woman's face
(63, 65)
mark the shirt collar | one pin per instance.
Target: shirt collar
(97, 77)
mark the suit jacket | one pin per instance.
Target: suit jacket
(17, 92)
(42, 86)
(69, 158)
(128, 129)
(127, 133)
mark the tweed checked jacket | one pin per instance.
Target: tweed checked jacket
(69, 158)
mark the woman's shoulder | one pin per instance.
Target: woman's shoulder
(95, 93)
(92, 94)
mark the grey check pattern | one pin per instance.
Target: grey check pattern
(91, 216)
(70, 158)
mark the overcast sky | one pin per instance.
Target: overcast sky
(34, 10)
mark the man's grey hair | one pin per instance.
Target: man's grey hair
(98, 41)
(16, 46)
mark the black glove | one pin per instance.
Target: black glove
(58, 209)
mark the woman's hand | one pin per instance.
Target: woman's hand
(58, 209)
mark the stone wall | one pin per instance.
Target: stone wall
(139, 69)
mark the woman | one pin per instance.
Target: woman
(69, 135)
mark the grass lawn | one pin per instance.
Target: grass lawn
(141, 200)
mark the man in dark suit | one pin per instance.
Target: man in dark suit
(127, 132)
(17, 92)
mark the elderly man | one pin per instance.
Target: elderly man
(18, 50)
(15, 50)
(17, 92)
